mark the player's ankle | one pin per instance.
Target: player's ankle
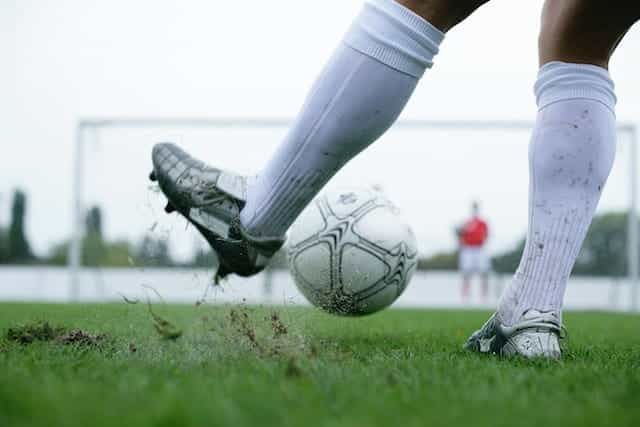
(509, 316)
(259, 240)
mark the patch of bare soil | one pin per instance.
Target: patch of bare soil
(82, 338)
(32, 332)
(43, 331)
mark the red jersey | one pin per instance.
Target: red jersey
(474, 232)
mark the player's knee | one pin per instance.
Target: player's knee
(557, 42)
(444, 14)
(581, 31)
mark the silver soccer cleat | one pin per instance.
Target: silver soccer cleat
(536, 335)
(211, 200)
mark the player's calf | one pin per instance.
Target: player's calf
(444, 14)
(584, 31)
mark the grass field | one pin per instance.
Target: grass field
(245, 366)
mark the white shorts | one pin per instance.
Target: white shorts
(474, 259)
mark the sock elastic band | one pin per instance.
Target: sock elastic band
(558, 81)
(394, 35)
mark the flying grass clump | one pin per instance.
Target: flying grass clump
(237, 332)
(165, 328)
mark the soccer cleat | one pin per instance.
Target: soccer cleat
(535, 335)
(211, 200)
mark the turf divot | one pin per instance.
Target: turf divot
(43, 331)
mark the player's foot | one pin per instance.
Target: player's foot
(535, 335)
(211, 200)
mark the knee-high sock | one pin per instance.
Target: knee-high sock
(358, 96)
(570, 157)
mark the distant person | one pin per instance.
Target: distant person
(473, 258)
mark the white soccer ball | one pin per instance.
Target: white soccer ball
(351, 253)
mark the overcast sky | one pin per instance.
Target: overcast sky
(67, 59)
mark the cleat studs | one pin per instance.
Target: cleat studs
(169, 208)
(152, 176)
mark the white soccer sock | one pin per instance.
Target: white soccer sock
(358, 96)
(570, 157)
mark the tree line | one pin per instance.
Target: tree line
(97, 250)
(603, 253)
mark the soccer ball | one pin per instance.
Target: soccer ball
(351, 253)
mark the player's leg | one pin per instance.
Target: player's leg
(466, 287)
(485, 269)
(464, 268)
(571, 155)
(584, 31)
(443, 14)
(485, 286)
(572, 147)
(357, 97)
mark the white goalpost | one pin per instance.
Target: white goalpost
(85, 127)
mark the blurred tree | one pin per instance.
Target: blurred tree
(604, 252)
(4, 241)
(117, 254)
(4, 246)
(203, 258)
(93, 221)
(58, 254)
(96, 252)
(440, 261)
(508, 261)
(19, 248)
(153, 252)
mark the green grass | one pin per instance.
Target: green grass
(400, 368)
